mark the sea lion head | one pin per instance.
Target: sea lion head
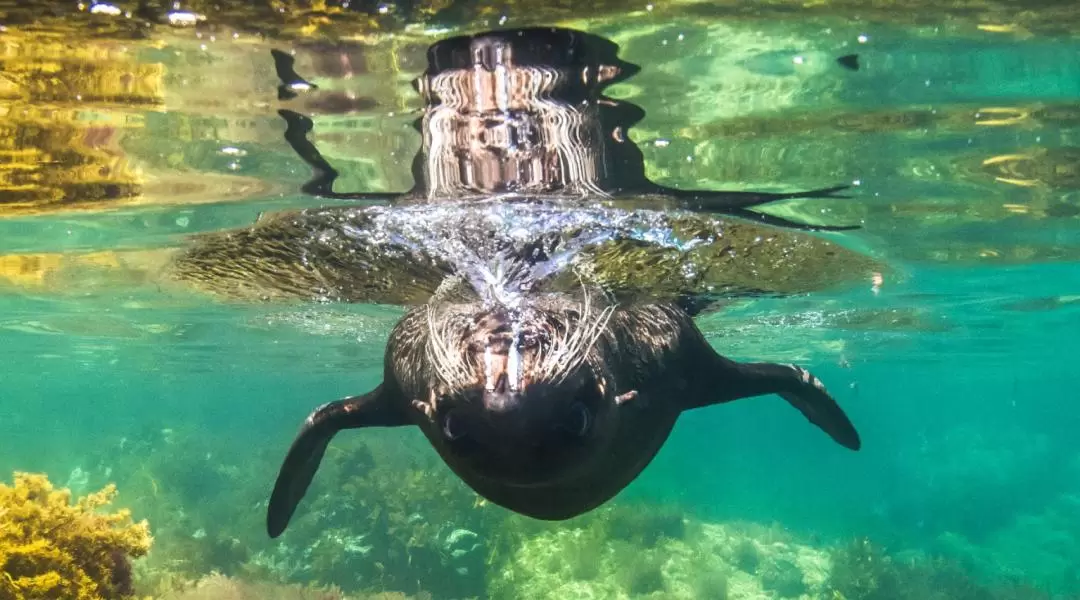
(519, 393)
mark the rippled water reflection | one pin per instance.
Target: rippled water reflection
(123, 146)
(119, 140)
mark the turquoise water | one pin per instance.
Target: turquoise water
(957, 371)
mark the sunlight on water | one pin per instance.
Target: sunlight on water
(451, 232)
(128, 131)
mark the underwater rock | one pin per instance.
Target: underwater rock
(78, 481)
(463, 550)
(747, 556)
(783, 577)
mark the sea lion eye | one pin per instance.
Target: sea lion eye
(452, 427)
(578, 420)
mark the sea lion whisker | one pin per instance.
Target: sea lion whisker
(462, 366)
(564, 341)
(433, 349)
(572, 342)
(556, 348)
(576, 348)
(588, 339)
(446, 363)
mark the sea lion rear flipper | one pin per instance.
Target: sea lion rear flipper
(794, 384)
(721, 200)
(737, 204)
(775, 221)
(298, 469)
(733, 203)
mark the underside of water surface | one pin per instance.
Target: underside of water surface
(944, 325)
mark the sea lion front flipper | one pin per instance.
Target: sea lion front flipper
(374, 409)
(321, 184)
(291, 82)
(733, 380)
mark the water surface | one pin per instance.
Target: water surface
(120, 139)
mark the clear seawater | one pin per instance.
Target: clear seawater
(962, 127)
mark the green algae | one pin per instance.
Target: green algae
(863, 570)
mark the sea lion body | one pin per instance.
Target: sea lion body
(549, 443)
(549, 347)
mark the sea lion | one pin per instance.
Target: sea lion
(538, 356)
(552, 411)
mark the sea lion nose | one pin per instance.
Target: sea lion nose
(500, 401)
(511, 418)
(501, 383)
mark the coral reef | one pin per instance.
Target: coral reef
(202, 504)
(632, 551)
(376, 525)
(385, 518)
(864, 571)
(590, 559)
(381, 515)
(51, 549)
(222, 587)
